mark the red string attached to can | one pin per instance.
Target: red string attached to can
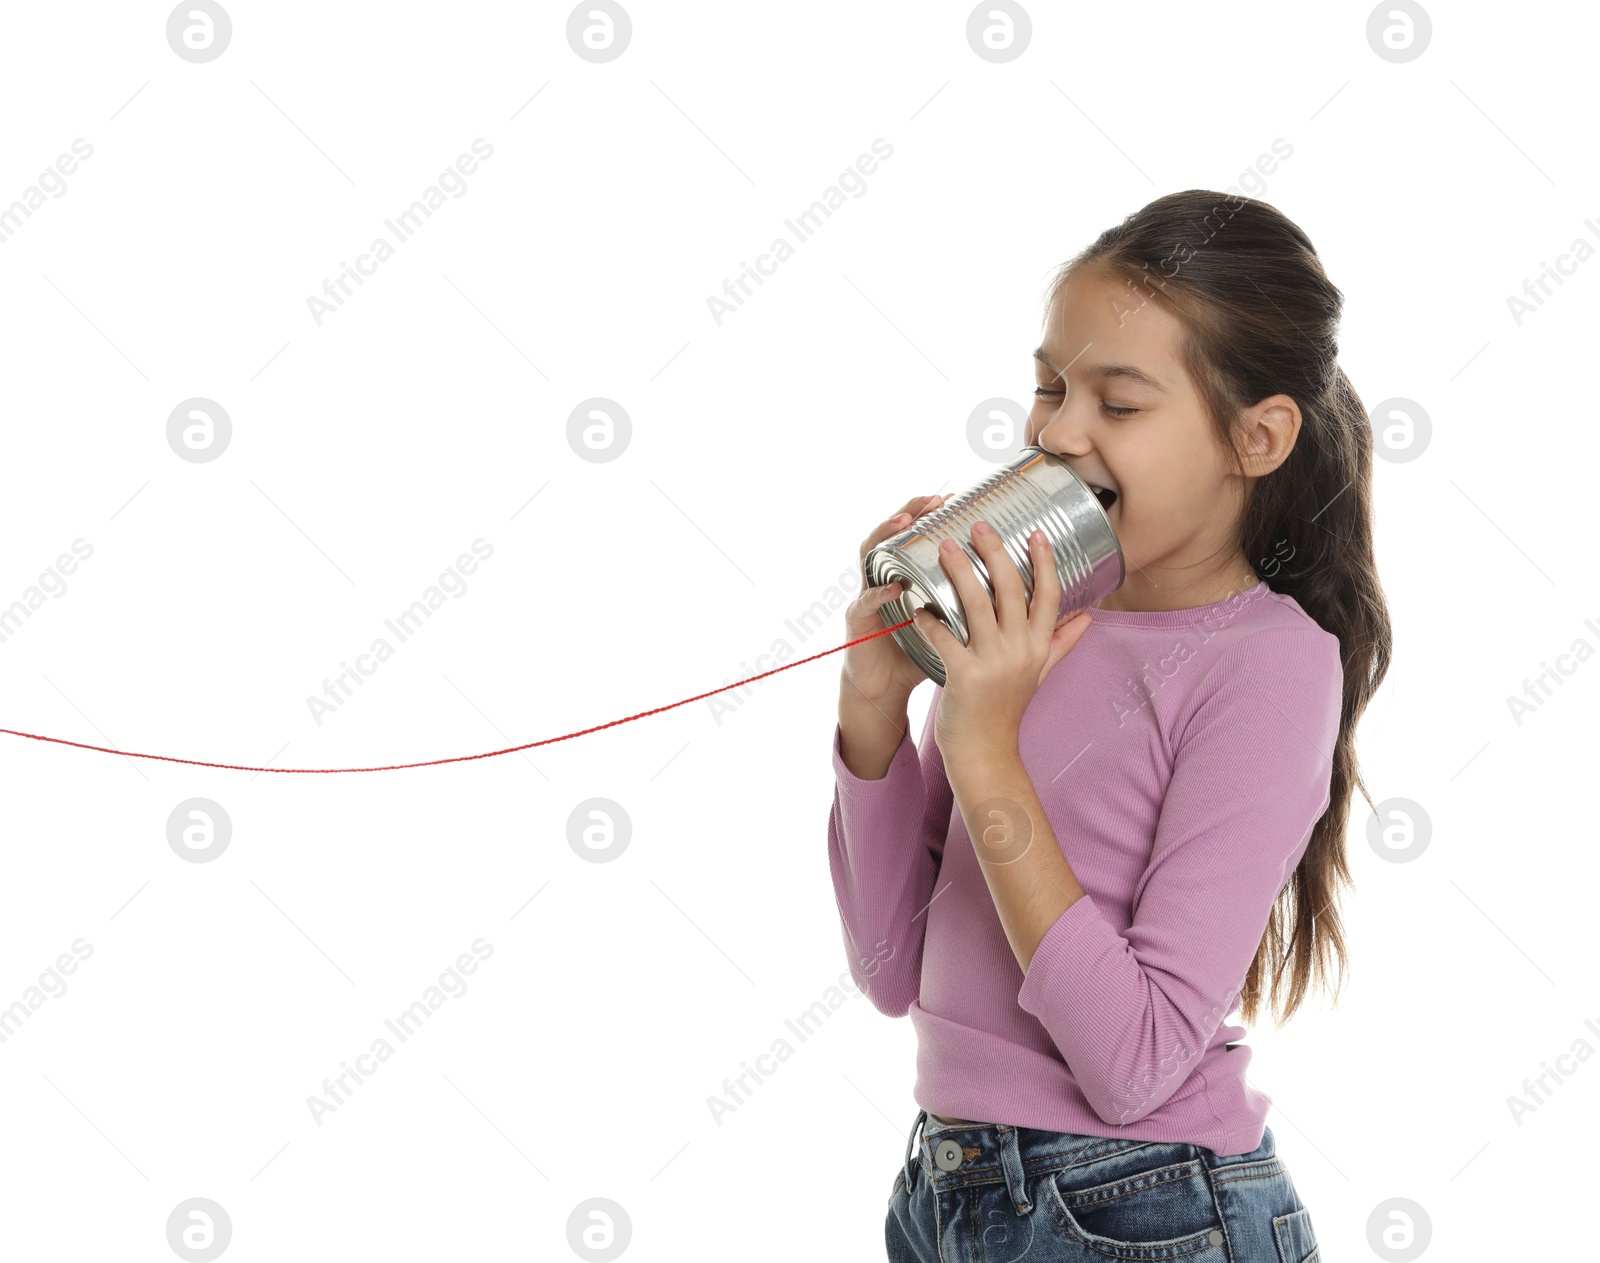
(462, 758)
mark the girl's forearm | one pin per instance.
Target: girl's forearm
(1029, 878)
(870, 733)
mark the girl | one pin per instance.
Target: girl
(1115, 828)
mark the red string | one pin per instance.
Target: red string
(460, 758)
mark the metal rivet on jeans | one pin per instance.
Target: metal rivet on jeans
(1214, 1237)
(947, 1155)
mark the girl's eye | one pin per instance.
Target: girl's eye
(1113, 409)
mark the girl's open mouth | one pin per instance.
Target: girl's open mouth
(1106, 497)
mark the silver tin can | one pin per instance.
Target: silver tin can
(1036, 490)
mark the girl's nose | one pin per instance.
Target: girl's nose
(1062, 435)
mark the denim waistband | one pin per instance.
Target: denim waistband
(953, 1154)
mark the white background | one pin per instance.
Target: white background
(431, 410)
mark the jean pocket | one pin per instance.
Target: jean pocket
(1146, 1202)
(1297, 1241)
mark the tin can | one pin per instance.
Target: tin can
(1036, 490)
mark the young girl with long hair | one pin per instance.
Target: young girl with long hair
(1119, 828)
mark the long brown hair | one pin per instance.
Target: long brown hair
(1261, 318)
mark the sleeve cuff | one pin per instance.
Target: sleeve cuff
(1058, 954)
(902, 765)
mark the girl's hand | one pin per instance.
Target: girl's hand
(879, 670)
(1013, 646)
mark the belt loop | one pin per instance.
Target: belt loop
(1011, 1165)
(911, 1143)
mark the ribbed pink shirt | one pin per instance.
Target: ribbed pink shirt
(1182, 758)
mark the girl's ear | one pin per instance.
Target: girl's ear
(1270, 430)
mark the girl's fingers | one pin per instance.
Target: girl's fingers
(882, 532)
(1010, 594)
(931, 626)
(976, 605)
(943, 640)
(1044, 612)
(869, 602)
(914, 508)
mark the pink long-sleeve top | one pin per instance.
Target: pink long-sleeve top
(1182, 758)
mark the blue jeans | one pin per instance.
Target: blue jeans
(1003, 1194)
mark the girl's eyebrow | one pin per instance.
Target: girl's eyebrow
(1093, 371)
